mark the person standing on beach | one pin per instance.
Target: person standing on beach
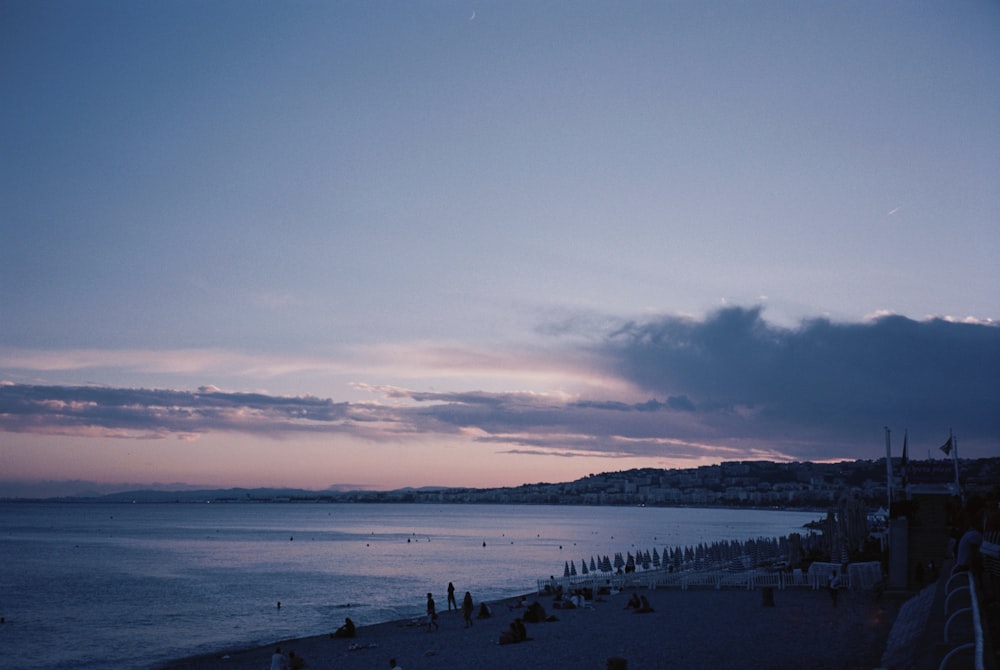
(833, 586)
(451, 596)
(467, 608)
(278, 660)
(431, 614)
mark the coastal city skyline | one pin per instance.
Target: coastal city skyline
(450, 244)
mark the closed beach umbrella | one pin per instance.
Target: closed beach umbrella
(572, 568)
(593, 566)
(583, 566)
(756, 552)
(565, 569)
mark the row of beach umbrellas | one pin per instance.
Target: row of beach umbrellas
(734, 554)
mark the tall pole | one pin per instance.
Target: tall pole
(954, 460)
(888, 467)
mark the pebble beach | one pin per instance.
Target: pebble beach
(697, 628)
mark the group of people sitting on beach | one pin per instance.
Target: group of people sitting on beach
(535, 613)
(515, 633)
(639, 603)
(289, 661)
(576, 599)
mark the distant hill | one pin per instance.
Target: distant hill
(209, 495)
(736, 483)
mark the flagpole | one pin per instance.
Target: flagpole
(888, 467)
(954, 460)
(904, 466)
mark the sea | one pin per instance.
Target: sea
(117, 585)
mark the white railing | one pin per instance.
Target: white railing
(821, 574)
(966, 584)
(861, 576)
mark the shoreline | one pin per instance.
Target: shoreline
(693, 628)
(366, 639)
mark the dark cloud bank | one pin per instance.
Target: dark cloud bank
(731, 382)
(823, 381)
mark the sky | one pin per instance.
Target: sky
(382, 244)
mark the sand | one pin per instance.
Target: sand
(689, 629)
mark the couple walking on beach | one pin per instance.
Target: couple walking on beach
(467, 607)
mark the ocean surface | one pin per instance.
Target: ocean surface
(88, 586)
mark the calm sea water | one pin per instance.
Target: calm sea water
(88, 586)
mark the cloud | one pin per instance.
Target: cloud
(821, 380)
(728, 386)
(157, 413)
(169, 362)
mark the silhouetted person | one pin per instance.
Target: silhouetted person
(833, 585)
(484, 611)
(278, 660)
(516, 633)
(522, 632)
(535, 613)
(467, 608)
(431, 614)
(451, 596)
(347, 630)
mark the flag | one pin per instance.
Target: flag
(946, 447)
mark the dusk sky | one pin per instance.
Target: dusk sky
(380, 244)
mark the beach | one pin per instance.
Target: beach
(697, 628)
(90, 587)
